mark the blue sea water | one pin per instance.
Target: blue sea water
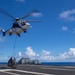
(59, 63)
(53, 63)
(3, 62)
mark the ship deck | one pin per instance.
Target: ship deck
(37, 70)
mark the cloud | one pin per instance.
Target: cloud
(64, 28)
(37, 14)
(2, 59)
(6, 58)
(67, 55)
(30, 53)
(46, 56)
(68, 15)
(22, 1)
(20, 54)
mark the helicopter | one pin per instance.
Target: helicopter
(19, 24)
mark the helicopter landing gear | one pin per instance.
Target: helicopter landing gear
(18, 35)
(10, 34)
(24, 31)
(3, 33)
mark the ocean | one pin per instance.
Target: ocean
(3, 63)
(52, 63)
(59, 63)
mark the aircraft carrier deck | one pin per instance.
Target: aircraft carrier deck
(37, 70)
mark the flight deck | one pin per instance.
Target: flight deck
(37, 70)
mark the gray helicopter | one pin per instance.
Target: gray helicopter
(19, 24)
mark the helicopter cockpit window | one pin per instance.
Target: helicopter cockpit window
(23, 23)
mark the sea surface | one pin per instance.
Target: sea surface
(59, 63)
(52, 63)
(3, 63)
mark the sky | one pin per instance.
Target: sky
(51, 40)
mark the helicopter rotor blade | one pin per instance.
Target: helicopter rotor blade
(30, 14)
(6, 13)
(33, 20)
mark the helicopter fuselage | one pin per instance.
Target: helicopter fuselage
(16, 30)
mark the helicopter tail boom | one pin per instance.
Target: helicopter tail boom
(3, 31)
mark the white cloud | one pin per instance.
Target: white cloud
(37, 14)
(20, 54)
(68, 15)
(67, 55)
(46, 53)
(30, 53)
(6, 58)
(64, 28)
(46, 56)
(2, 59)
